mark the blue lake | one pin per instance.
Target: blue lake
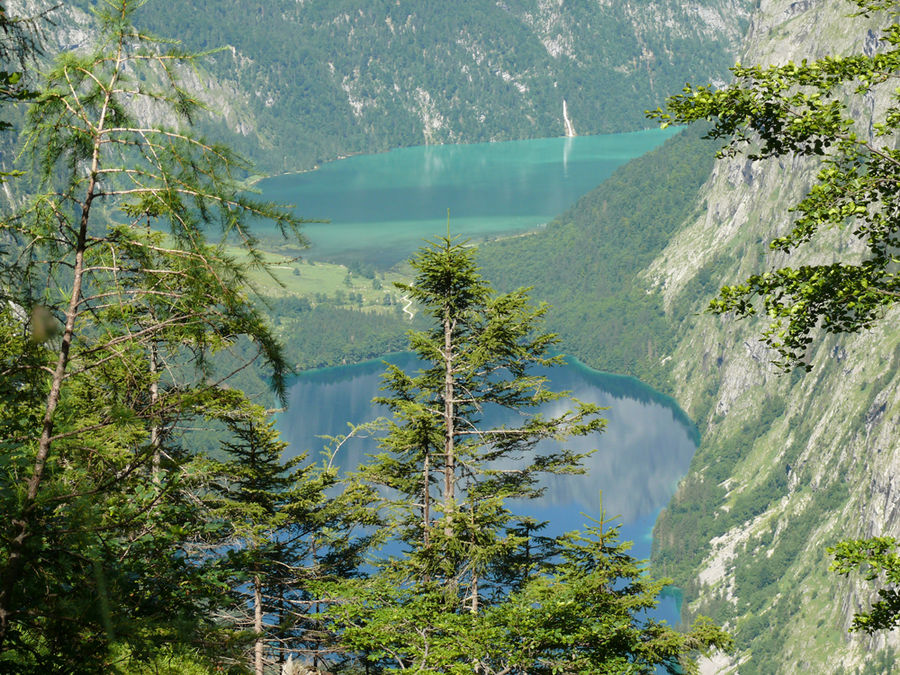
(637, 464)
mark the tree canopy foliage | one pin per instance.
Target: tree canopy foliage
(114, 297)
(879, 559)
(802, 110)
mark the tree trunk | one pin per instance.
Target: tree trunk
(426, 499)
(258, 626)
(154, 430)
(473, 607)
(449, 431)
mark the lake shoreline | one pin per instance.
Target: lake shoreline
(254, 180)
(380, 207)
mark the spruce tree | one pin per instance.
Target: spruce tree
(284, 532)
(455, 474)
(454, 600)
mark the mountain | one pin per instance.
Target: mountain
(587, 263)
(788, 464)
(302, 82)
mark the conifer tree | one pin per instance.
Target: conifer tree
(447, 604)
(457, 472)
(252, 503)
(283, 531)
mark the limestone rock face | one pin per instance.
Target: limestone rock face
(789, 464)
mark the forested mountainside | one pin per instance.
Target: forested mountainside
(305, 82)
(587, 262)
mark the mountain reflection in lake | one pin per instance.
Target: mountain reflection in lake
(639, 459)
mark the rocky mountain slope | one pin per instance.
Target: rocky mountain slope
(299, 83)
(789, 464)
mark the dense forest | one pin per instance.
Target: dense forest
(302, 83)
(587, 263)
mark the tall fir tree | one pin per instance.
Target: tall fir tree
(286, 528)
(447, 476)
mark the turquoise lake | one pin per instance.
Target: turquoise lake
(382, 206)
(633, 472)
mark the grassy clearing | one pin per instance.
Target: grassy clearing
(324, 282)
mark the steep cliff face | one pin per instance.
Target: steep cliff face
(789, 464)
(309, 81)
